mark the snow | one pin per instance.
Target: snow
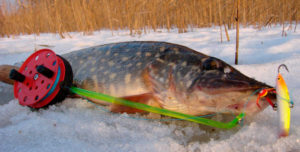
(77, 125)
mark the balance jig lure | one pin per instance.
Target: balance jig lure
(284, 104)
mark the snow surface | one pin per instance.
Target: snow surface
(76, 125)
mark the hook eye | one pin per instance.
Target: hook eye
(283, 65)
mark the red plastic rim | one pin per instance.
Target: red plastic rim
(35, 87)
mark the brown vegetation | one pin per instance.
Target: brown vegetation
(62, 16)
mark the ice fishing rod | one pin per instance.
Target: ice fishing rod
(46, 78)
(145, 107)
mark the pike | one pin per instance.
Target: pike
(163, 75)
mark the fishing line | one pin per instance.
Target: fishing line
(252, 94)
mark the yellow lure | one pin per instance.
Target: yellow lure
(284, 103)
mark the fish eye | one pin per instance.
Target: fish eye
(210, 64)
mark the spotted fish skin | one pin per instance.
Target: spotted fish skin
(118, 67)
(178, 77)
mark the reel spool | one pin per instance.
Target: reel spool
(39, 79)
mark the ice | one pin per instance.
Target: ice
(76, 125)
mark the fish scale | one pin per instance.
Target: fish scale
(177, 77)
(135, 64)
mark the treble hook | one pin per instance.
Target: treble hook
(283, 65)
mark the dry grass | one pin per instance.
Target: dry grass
(62, 16)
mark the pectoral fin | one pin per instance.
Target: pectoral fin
(141, 98)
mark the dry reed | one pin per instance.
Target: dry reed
(62, 16)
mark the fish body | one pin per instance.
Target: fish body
(165, 75)
(284, 104)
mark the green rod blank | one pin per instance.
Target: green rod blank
(204, 121)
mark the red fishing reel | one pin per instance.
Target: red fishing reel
(39, 81)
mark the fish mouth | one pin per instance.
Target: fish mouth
(251, 105)
(237, 96)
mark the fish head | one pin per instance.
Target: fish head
(223, 89)
(197, 84)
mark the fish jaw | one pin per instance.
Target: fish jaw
(230, 102)
(203, 103)
(236, 96)
(239, 98)
(249, 105)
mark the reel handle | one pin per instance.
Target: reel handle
(44, 71)
(17, 76)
